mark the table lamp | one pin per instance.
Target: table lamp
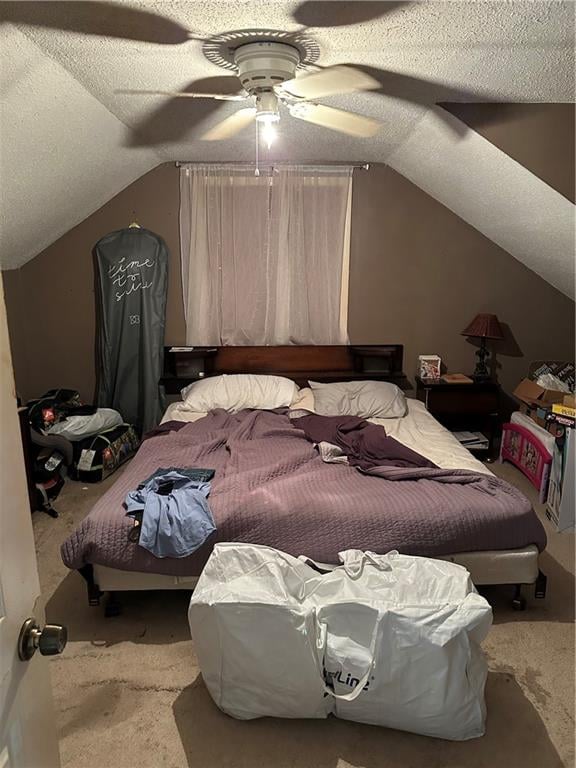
(483, 327)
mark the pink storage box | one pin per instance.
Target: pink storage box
(525, 451)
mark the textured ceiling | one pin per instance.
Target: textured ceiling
(69, 142)
(61, 151)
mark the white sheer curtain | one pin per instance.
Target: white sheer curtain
(265, 259)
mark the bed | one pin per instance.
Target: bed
(498, 538)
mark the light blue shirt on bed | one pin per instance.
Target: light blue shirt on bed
(175, 524)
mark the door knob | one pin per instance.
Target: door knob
(49, 641)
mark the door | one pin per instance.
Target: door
(27, 722)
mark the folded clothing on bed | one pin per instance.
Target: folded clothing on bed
(366, 445)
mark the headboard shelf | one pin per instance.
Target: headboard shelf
(380, 362)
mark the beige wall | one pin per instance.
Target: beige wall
(50, 300)
(418, 276)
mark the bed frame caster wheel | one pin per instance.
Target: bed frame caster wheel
(518, 601)
(113, 606)
(94, 594)
(93, 590)
(540, 586)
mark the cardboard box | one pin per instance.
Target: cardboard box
(537, 414)
(569, 401)
(536, 401)
(533, 394)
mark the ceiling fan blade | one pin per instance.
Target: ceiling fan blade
(231, 125)
(182, 95)
(328, 82)
(102, 19)
(172, 119)
(336, 119)
(335, 13)
(222, 85)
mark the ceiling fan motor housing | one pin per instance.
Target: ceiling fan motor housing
(263, 65)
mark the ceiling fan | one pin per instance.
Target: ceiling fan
(278, 88)
(267, 78)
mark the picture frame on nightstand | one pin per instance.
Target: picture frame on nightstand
(429, 366)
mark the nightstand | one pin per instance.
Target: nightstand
(458, 407)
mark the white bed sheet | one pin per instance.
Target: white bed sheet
(418, 430)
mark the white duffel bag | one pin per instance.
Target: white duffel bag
(390, 640)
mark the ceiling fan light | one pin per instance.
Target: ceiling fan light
(267, 118)
(267, 107)
(268, 130)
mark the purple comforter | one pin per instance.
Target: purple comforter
(366, 445)
(271, 487)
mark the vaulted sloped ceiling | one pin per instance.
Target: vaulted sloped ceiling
(498, 196)
(69, 142)
(62, 153)
(538, 136)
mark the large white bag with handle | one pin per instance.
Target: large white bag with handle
(391, 640)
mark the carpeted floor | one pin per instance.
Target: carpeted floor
(129, 694)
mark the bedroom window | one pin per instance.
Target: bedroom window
(265, 260)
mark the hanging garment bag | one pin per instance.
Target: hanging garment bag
(132, 269)
(390, 640)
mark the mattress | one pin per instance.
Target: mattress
(516, 566)
(272, 488)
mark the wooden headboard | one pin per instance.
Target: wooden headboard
(381, 362)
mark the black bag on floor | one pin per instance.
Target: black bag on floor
(98, 456)
(55, 405)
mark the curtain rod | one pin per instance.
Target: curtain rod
(363, 166)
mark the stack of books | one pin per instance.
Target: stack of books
(564, 410)
(474, 441)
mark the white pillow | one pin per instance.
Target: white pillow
(303, 400)
(367, 399)
(237, 391)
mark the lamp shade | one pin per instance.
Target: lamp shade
(484, 326)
